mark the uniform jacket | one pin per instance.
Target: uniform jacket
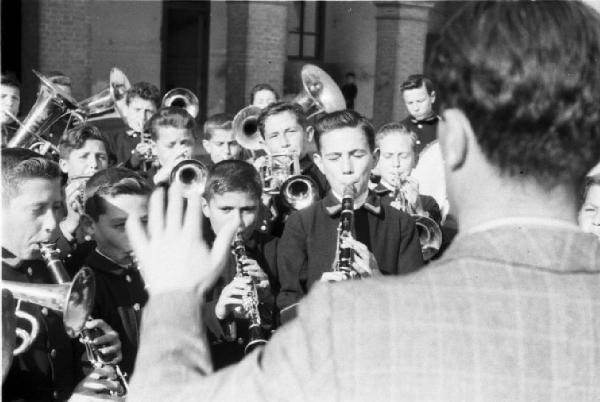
(508, 313)
(426, 130)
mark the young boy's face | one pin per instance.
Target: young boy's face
(283, 134)
(30, 216)
(10, 99)
(589, 215)
(263, 98)
(85, 161)
(109, 231)
(419, 103)
(221, 207)
(174, 144)
(396, 157)
(345, 158)
(222, 145)
(138, 112)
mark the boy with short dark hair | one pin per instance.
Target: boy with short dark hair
(419, 97)
(10, 99)
(385, 239)
(111, 195)
(234, 187)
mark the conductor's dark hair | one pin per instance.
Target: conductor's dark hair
(342, 119)
(233, 176)
(277, 108)
(20, 164)
(143, 90)
(262, 87)
(110, 183)
(176, 117)
(416, 81)
(526, 75)
(76, 137)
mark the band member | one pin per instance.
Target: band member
(10, 100)
(111, 196)
(419, 98)
(589, 214)
(396, 151)
(83, 151)
(141, 102)
(219, 140)
(31, 203)
(307, 249)
(173, 130)
(234, 187)
(349, 89)
(263, 95)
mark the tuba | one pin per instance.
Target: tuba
(52, 103)
(250, 300)
(430, 234)
(345, 255)
(191, 174)
(183, 98)
(107, 99)
(320, 93)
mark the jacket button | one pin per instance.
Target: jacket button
(53, 353)
(29, 271)
(55, 395)
(128, 278)
(136, 306)
(44, 311)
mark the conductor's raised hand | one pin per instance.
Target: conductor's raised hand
(172, 254)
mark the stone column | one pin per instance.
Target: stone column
(401, 35)
(256, 49)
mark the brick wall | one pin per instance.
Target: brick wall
(256, 49)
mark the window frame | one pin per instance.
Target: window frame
(318, 34)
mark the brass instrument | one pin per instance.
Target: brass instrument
(345, 255)
(250, 301)
(430, 234)
(299, 192)
(183, 98)
(107, 99)
(320, 93)
(52, 104)
(275, 169)
(191, 174)
(78, 204)
(59, 273)
(73, 299)
(245, 128)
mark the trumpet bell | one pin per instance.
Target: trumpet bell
(106, 99)
(245, 128)
(183, 98)
(191, 174)
(430, 236)
(320, 94)
(74, 299)
(299, 192)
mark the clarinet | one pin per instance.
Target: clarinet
(59, 273)
(250, 300)
(345, 255)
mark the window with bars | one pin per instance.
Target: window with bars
(305, 29)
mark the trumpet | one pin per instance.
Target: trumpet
(78, 204)
(345, 255)
(73, 299)
(183, 98)
(59, 273)
(250, 300)
(190, 173)
(275, 169)
(430, 234)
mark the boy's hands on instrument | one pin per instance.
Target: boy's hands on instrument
(98, 385)
(108, 343)
(255, 271)
(173, 255)
(231, 297)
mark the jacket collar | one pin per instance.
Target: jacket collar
(430, 120)
(333, 207)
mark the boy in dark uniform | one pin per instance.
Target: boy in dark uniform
(10, 100)
(385, 239)
(396, 152)
(234, 187)
(31, 203)
(124, 135)
(419, 98)
(111, 196)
